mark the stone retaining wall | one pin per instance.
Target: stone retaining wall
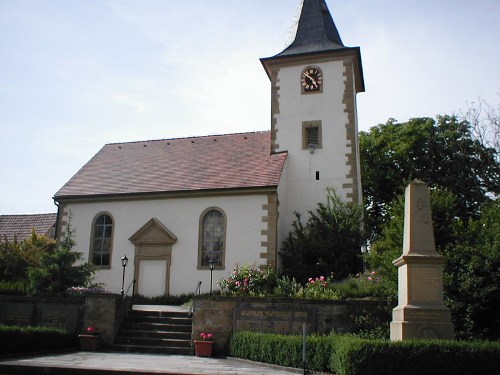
(223, 315)
(72, 314)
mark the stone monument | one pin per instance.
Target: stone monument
(420, 313)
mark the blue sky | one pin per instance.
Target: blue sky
(76, 74)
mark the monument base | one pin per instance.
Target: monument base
(412, 322)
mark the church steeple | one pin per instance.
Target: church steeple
(314, 82)
(314, 30)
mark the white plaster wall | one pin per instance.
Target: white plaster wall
(181, 216)
(299, 190)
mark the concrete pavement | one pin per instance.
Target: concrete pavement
(126, 363)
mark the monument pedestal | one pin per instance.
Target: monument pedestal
(421, 313)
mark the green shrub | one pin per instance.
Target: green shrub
(32, 339)
(276, 349)
(347, 355)
(352, 356)
(12, 288)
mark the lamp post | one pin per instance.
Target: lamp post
(124, 264)
(211, 264)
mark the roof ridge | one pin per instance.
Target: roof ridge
(188, 137)
(31, 215)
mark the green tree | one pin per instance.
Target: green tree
(442, 152)
(16, 257)
(60, 269)
(330, 241)
(472, 274)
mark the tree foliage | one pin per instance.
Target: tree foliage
(472, 276)
(330, 241)
(443, 153)
(464, 176)
(60, 269)
(16, 257)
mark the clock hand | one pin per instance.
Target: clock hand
(313, 81)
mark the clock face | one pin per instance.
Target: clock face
(311, 79)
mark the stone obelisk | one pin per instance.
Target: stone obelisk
(420, 313)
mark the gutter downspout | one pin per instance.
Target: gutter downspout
(56, 231)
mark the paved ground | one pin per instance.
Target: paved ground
(125, 363)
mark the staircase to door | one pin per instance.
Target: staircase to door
(162, 331)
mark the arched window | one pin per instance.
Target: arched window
(212, 237)
(102, 240)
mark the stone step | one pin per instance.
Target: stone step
(159, 332)
(147, 326)
(146, 341)
(157, 319)
(156, 334)
(161, 314)
(153, 349)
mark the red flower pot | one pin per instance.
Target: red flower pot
(90, 343)
(203, 348)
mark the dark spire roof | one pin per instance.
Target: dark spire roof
(316, 30)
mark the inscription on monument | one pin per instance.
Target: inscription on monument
(426, 284)
(273, 318)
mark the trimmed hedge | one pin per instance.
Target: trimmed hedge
(15, 339)
(347, 355)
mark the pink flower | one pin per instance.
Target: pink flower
(322, 278)
(372, 273)
(324, 284)
(310, 279)
(206, 336)
(369, 278)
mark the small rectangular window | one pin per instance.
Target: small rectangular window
(311, 135)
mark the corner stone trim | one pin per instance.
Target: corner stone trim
(351, 136)
(270, 234)
(275, 108)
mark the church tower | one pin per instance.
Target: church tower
(314, 82)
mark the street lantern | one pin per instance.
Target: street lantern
(211, 264)
(124, 265)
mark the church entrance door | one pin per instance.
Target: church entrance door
(152, 258)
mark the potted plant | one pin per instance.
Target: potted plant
(204, 347)
(90, 339)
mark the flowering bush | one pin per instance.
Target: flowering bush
(370, 277)
(207, 336)
(91, 331)
(249, 280)
(261, 282)
(320, 288)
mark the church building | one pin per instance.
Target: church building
(175, 207)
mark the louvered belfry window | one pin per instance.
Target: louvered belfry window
(312, 136)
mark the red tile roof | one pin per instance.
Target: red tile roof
(183, 164)
(20, 225)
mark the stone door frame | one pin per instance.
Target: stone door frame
(153, 241)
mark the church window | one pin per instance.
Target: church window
(102, 238)
(212, 237)
(311, 135)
